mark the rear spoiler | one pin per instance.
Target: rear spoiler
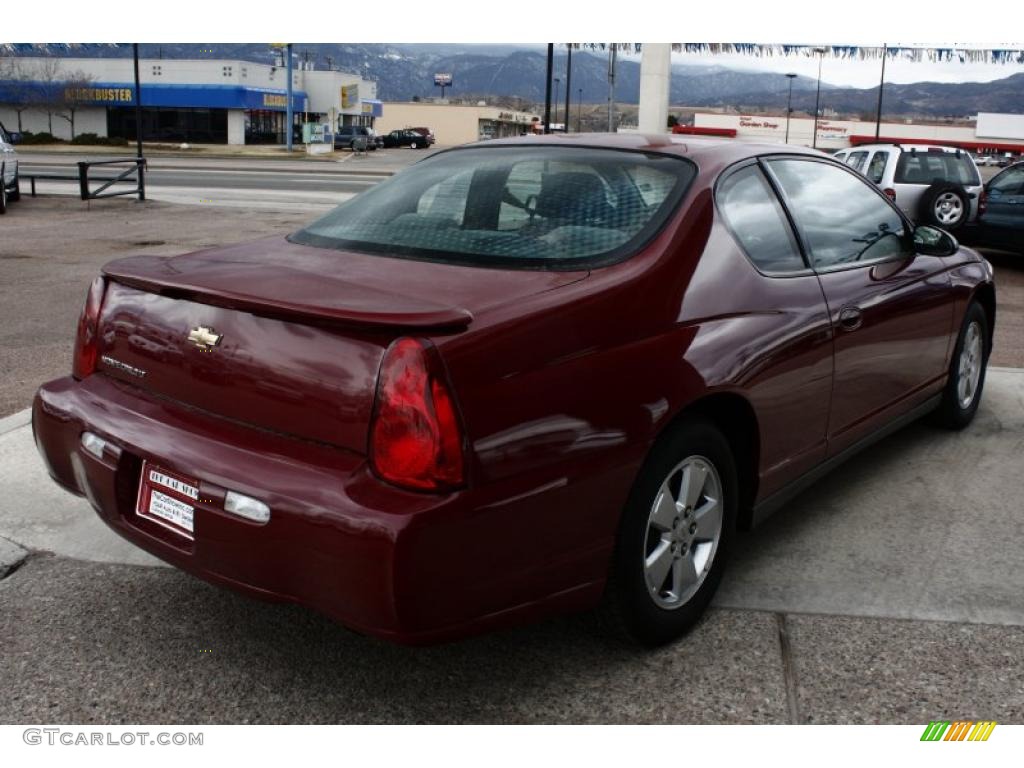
(333, 304)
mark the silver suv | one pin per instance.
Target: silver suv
(932, 185)
(10, 189)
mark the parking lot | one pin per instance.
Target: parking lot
(890, 592)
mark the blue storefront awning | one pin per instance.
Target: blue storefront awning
(372, 107)
(160, 95)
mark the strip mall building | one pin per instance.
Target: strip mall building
(219, 101)
(992, 133)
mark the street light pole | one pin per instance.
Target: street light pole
(557, 83)
(568, 83)
(789, 102)
(579, 111)
(289, 117)
(817, 97)
(547, 88)
(881, 87)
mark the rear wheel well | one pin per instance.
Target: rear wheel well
(734, 416)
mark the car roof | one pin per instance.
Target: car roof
(909, 147)
(697, 148)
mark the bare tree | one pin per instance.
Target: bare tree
(17, 86)
(45, 91)
(74, 92)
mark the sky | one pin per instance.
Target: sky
(862, 74)
(788, 21)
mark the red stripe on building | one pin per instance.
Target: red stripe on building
(995, 146)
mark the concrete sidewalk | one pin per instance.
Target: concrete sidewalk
(891, 592)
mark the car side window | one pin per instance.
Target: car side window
(856, 160)
(842, 219)
(876, 168)
(1009, 182)
(753, 213)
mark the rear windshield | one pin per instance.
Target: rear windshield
(513, 206)
(931, 166)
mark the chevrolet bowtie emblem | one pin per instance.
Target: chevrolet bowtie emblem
(204, 337)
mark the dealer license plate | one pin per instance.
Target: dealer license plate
(167, 498)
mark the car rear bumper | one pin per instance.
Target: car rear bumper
(408, 567)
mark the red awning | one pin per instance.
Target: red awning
(693, 130)
(994, 146)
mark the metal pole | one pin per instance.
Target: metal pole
(817, 98)
(789, 103)
(611, 88)
(138, 123)
(547, 88)
(881, 86)
(568, 84)
(288, 110)
(579, 111)
(558, 82)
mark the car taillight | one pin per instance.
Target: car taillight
(982, 202)
(415, 437)
(87, 338)
(890, 193)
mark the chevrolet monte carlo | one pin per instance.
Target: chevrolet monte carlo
(517, 379)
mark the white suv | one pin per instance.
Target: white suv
(932, 185)
(9, 187)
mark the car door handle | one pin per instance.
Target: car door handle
(850, 318)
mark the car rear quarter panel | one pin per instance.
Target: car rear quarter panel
(563, 395)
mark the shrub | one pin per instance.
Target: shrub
(94, 140)
(27, 137)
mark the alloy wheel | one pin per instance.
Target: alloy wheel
(949, 208)
(684, 529)
(969, 369)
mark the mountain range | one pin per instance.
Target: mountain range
(406, 71)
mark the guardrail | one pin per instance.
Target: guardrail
(138, 166)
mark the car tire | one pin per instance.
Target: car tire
(3, 191)
(962, 394)
(674, 536)
(944, 205)
(15, 193)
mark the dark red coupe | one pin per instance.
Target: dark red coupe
(516, 379)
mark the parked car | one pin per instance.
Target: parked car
(516, 379)
(1001, 223)
(932, 185)
(347, 137)
(10, 184)
(425, 132)
(406, 137)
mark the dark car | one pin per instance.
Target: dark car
(406, 137)
(1001, 222)
(516, 379)
(425, 132)
(350, 137)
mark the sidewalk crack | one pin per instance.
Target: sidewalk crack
(788, 671)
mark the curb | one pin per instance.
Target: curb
(15, 421)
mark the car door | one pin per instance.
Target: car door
(1002, 223)
(891, 310)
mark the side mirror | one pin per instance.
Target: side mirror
(15, 138)
(932, 241)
